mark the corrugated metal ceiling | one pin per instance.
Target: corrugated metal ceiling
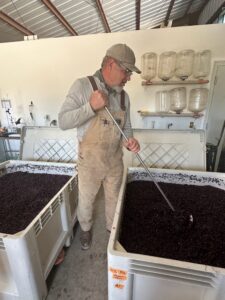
(84, 16)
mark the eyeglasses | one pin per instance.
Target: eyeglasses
(127, 72)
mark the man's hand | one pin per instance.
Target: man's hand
(132, 145)
(98, 100)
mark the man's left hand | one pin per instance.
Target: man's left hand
(132, 145)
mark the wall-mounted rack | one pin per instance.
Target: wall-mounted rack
(145, 113)
(174, 82)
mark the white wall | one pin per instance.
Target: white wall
(43, 70)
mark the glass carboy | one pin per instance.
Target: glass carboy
(202, 64)
(184, 64)
(148, 65)
(167, 63)
(162, 101)
(198, 100)
(178, 99)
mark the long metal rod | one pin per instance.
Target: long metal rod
(141, 161)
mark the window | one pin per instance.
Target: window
(221, 18)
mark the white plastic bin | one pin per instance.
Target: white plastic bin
(142, 277)
(51, 144)
(27, 257)
(169, 149)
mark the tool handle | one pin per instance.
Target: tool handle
(117, 125)
(155, 182)
(141, 161)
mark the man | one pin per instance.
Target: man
(100, 142)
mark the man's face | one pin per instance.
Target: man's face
(119, 75)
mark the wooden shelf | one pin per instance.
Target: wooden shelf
(145, 113)
(174, 82)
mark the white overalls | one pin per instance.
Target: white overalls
(100, 162)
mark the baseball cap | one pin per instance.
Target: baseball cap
(124, 55)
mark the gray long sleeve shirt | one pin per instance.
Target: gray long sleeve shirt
(76, 111)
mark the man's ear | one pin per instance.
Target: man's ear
(111, 61)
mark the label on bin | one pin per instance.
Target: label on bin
(119, 286)
(120, 275)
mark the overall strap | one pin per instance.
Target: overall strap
(122, 94)
(93, 83)
(122, 100)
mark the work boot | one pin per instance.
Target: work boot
(60, 258)
(85, 239)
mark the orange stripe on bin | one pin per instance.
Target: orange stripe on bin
(118, 271)
(119, 286)
(119, 277)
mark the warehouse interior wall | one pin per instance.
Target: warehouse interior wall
(43, 70)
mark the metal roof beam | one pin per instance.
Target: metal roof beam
(188, 8)
(4, 17)
(169, 12)
(138, 13)
(203, 5)
(59, 16)
(103, 16)
(207, 19)
(216, 14)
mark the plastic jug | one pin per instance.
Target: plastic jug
(178, 99)
(148, 65)
(198, 100)
(202, 62)
(167, 63)
(162, 101)
(184, 64)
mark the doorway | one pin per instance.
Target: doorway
(215, 121)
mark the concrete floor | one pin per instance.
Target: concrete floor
(83, 274)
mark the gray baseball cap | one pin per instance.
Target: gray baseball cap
(124, 55)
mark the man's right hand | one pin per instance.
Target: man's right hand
(98, 100)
